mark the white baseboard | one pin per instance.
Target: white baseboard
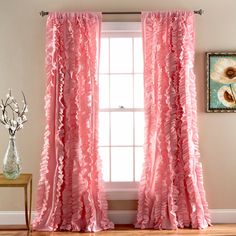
(12, 217)
(223, 216)
(226, 216)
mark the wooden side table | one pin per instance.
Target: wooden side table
(22, 181)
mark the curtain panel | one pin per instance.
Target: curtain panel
(70, 189)
(171, 193)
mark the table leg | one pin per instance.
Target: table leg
(26, 207)
(30, 206)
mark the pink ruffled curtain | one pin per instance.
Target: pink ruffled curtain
(171, 193)
(70, 190)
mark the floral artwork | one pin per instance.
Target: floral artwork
(221, 82)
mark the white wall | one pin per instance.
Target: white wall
(22, 37)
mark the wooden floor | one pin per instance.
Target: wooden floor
(128, 230)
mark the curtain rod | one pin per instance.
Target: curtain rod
(44, 13)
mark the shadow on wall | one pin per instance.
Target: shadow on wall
(200, 72)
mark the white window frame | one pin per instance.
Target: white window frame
(121, 190)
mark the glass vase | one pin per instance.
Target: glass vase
(11, 161)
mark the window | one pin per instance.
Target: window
(121, 115)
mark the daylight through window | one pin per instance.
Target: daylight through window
(121, 116)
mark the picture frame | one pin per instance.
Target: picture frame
(221, 81)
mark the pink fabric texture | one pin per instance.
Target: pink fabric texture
(171, 193)
(70, 189)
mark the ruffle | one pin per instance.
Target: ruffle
(70, 191)
(171, 193)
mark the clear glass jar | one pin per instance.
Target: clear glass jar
(11, 161)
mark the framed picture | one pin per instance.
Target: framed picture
(221, 82)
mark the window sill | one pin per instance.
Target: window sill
(122, 194)
(122, 190)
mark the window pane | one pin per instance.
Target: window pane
(104, 56)
(139, 128)
(104, 154)
(122, 164)
(138, 55)
(121, 128)
(120, 59)
(121, 55)
(121, 91)
(139, 159)
(103, 91)
(103, 129)
(138, 91)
